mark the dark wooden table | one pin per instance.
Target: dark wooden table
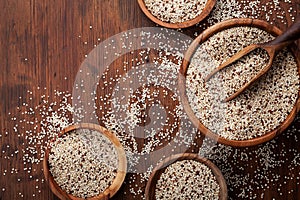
(44, 43)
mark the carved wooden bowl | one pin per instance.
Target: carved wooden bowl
(182, 82)
(161, 167)
(207, 9)
(121, 171)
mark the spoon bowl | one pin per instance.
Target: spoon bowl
(272, 47)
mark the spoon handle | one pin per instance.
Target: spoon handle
(288, 36)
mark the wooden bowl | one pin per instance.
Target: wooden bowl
(207, 9)
(161, 167)
(121, 172)
(182, 88)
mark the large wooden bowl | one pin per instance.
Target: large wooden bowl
(207, 9)
(121, 171)
(182, 84)
(161, 167)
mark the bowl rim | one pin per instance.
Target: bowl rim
(160, 168)
(185, 64)
(121, 171)
(205, 12)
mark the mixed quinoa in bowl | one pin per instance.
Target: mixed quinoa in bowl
(259, 113)
(85, 162)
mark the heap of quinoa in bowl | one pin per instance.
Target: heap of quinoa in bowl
(186, 176)
(259, 113)
(176, 13)
(86, 161)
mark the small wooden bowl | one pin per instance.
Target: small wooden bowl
(121, 172)
(207, 9)
(161, 167)
(183, 70)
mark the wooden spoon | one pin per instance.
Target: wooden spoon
(272, 47)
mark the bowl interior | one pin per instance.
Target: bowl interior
(182, 82)
(121, 171)
(161, 167)
(205, 12)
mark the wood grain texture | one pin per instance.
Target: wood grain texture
(43, 44)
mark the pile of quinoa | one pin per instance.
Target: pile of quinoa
(175, 11)
(83, 163)
(258, 110)
(187, 179)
